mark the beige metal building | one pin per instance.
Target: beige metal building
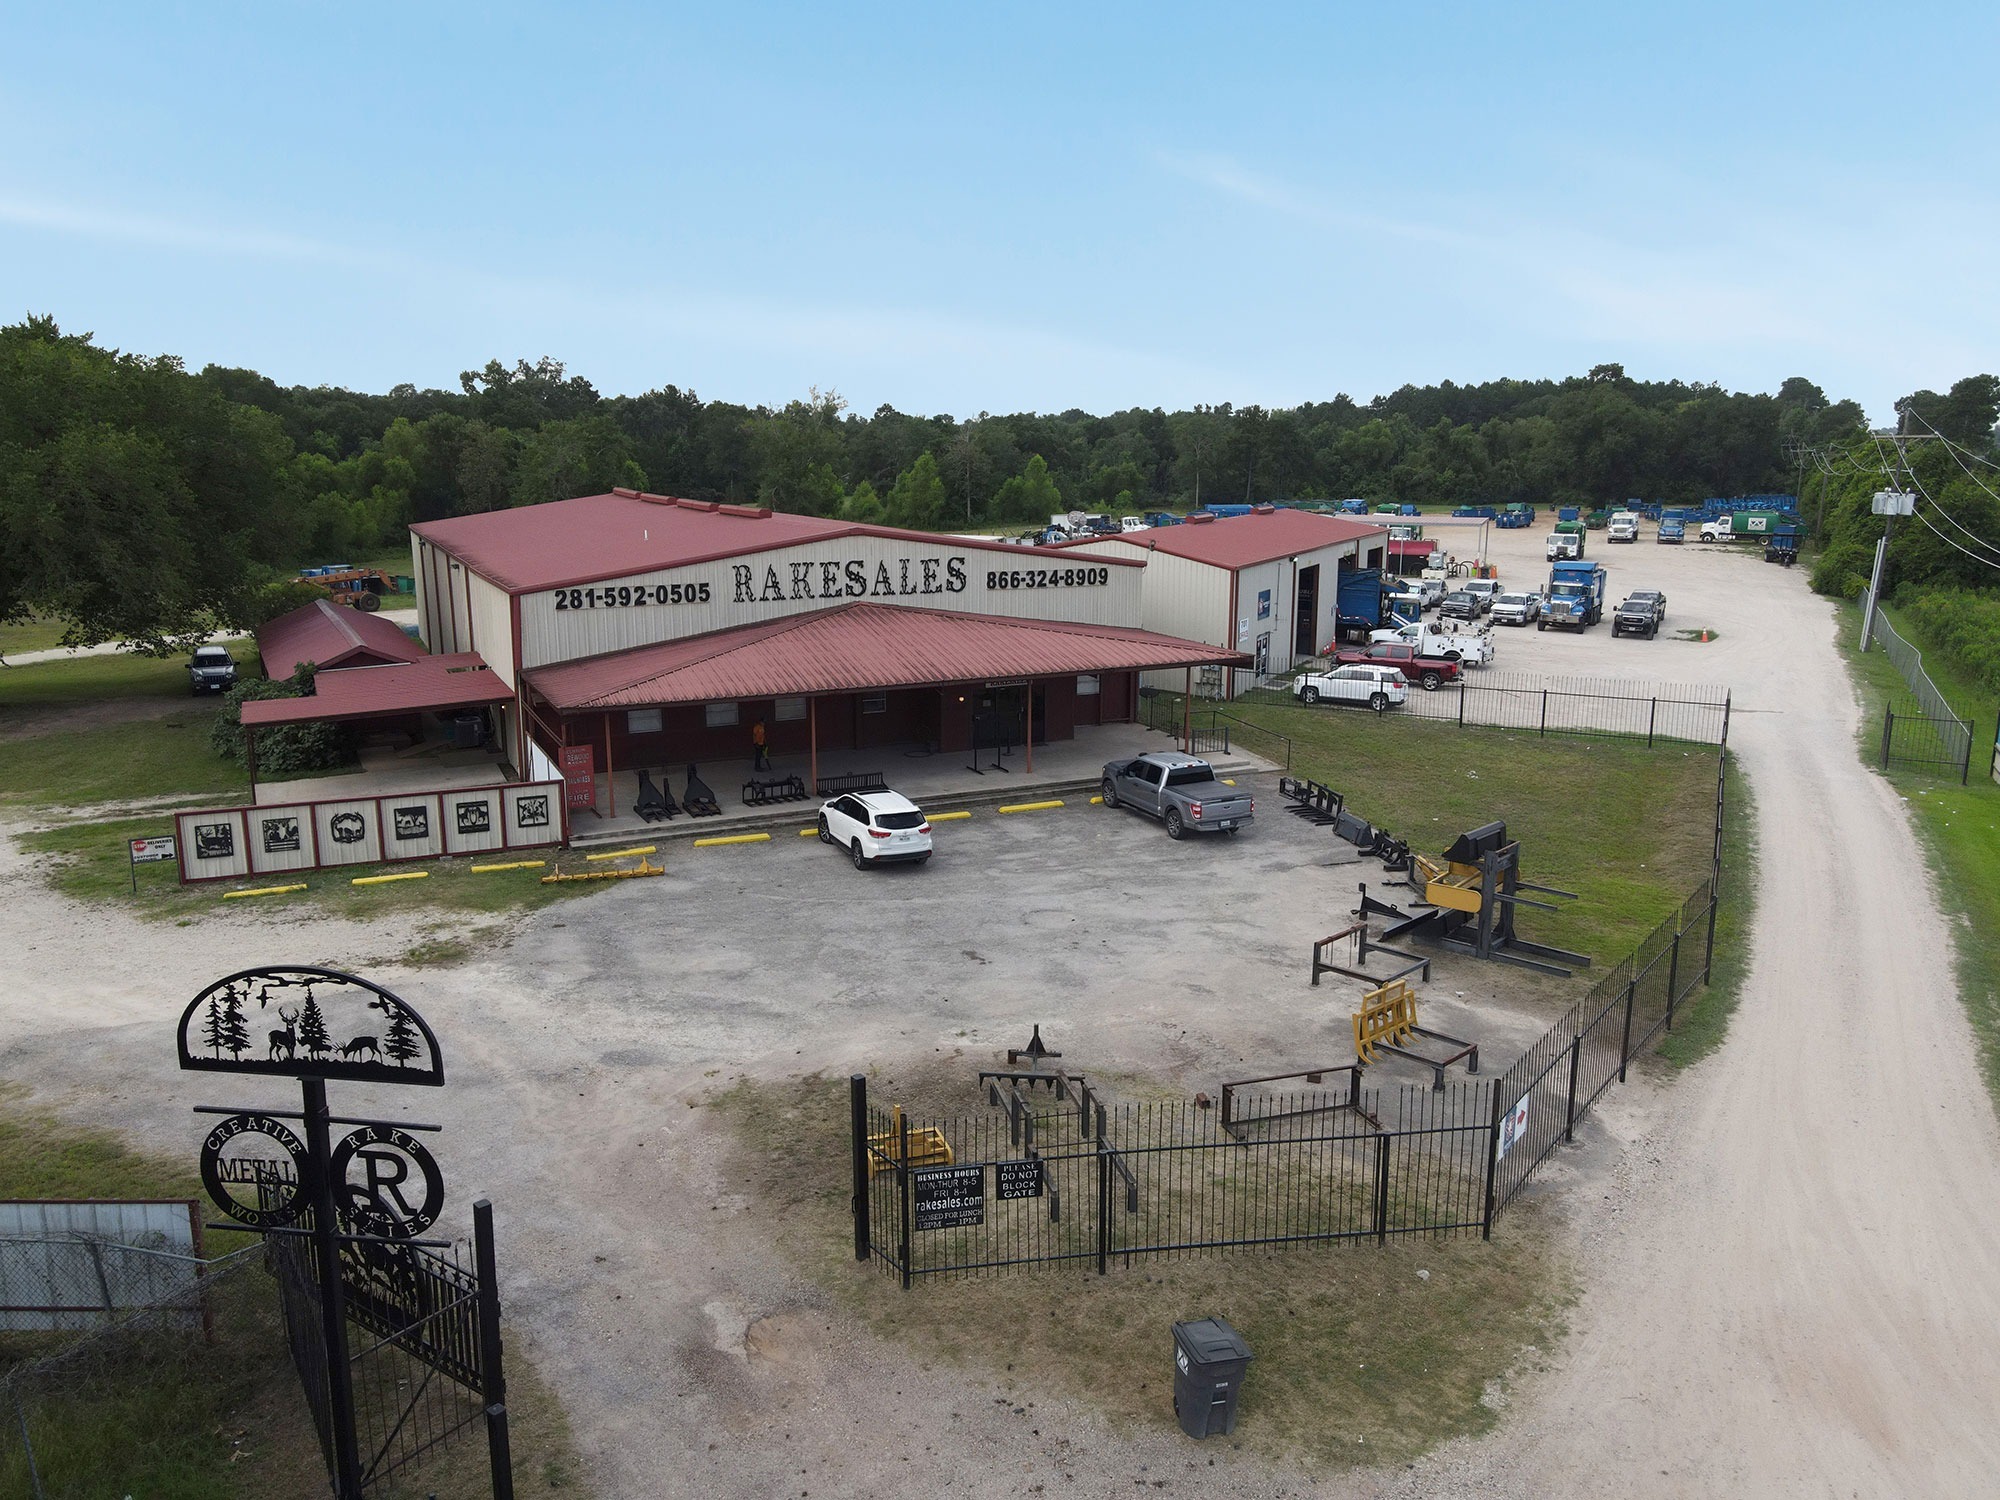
(1265, 584)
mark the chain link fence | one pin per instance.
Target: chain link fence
(1922, 732)
(112, 1374)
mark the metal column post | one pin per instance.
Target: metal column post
(332, 1295)
(857, 1110)
(493, 1374)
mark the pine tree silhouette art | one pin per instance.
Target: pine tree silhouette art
(313, 1037)
(399, 1042)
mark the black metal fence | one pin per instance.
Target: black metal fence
(1555, 1082)
(1913, 740)
(1086, 1183)
(1486, 699)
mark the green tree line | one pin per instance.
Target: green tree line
(143, 501)
(1942, 566)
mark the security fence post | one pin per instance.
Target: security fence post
(1673, 972)
(1103, 1198)
(857, 1114)
(1888, 733)
(1575, 1059)
(1625, 1042)
(1461, 709)
(492, 1373)
(1382, 1187)
(1492, 1162)
(1652, 719)
(1545, 713)
(903, 1195)
(1708, 955)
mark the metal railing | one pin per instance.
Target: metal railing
(1923, 733)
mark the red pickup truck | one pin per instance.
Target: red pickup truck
(1427, 672)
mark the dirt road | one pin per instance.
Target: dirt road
(1794, 1287)
(1788, 1288)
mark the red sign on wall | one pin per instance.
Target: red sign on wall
(579, 768)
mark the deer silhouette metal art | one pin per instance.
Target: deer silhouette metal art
(286, 1039)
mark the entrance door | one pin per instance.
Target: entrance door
(1306, 613)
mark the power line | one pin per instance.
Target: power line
(1939, 508)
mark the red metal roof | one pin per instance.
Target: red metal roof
(859, 647)
(614, 536)
(1261, 536)
(434, 684)
(330, 636)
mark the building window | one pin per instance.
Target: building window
(790, 710)
(719, 715)
(1086, 685)
(642, 721)
(874, 703)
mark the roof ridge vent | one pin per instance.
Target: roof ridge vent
(623, 493)
(703, 505)
(1200, 518)
(1263, 510)
(752, 512)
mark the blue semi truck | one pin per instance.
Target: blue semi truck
(1575, 596)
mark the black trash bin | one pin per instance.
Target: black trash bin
(1210, 1359)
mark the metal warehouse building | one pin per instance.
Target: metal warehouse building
(1264, 584)
(636, 630)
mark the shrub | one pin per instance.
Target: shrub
(282, 749)
(1843, 568)
(1962, 626)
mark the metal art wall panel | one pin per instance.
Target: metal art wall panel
(473, 821)
(533, 814)
(1020, 582)
(213, 845)
(350, 832)
(412, 826)
(282, 839)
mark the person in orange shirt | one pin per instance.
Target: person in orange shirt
(760, 761)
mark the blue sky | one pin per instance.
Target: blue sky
(1003, 208)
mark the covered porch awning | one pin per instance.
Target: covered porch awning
(430, 684)
(860, 647)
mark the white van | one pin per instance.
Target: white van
(1622, 527)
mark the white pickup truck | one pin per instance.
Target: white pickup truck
(1473, 648)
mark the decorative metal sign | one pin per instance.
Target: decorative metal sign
(308, 1023)
(254, 1169)
(400, 1190)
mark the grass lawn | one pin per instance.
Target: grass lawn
(1359, 1360)
(30, 635)
(175, 1418)
(167, 756)
(90, 679)
(1630, 829)
(1703, 1022)
(1959, 826)
(88, 862)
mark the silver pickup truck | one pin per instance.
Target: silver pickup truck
(1180, 791)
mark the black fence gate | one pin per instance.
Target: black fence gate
(432, 1364)
(1913, 740)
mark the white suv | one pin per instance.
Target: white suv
(1377, 687)
(876, 827)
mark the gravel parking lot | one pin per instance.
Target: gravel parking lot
(1786, 1280)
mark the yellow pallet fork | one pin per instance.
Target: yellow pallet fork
(928, 1147)
(1387, 1022)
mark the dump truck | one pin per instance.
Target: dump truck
(1743, 524)
(1566, 542)
(1575, 596)
(1358, 606)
